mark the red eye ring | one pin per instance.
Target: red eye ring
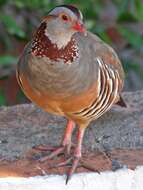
(64, 17)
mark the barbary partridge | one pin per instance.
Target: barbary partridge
(71, 72)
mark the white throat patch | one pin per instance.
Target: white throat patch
(59, 38)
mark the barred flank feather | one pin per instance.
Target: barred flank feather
(108, 81)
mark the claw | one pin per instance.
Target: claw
(72, 169)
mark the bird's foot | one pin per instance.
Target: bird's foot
(71, 161)
(66, 146)
(55, 151)
(75, 162)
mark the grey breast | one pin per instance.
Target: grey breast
(59, 78)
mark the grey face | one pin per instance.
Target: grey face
(66, 20)
(72, 12)
(67, 17)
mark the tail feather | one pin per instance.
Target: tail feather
(121, 102)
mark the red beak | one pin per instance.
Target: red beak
(79, 27)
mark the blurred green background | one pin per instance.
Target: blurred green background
(118, 22)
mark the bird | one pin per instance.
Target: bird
(68, 71)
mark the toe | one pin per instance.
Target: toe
(64, 163)
(72, 169)
(44, 148)
(55, 153)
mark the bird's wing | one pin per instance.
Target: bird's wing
(110, 77)
(21, 66)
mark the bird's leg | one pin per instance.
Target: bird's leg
(67, 136)
(77, 153)
(66, 143)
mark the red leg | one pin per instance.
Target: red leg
(67, 136)
(77, 153)
(66, 143)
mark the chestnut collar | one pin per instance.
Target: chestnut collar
(43, 47)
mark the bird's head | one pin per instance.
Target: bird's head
(62, 22)
(54, 37)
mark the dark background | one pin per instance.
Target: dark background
(118, 22)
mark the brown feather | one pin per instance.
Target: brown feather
(43, 47)
(121, 102)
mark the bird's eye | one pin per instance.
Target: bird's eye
(64, 17)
